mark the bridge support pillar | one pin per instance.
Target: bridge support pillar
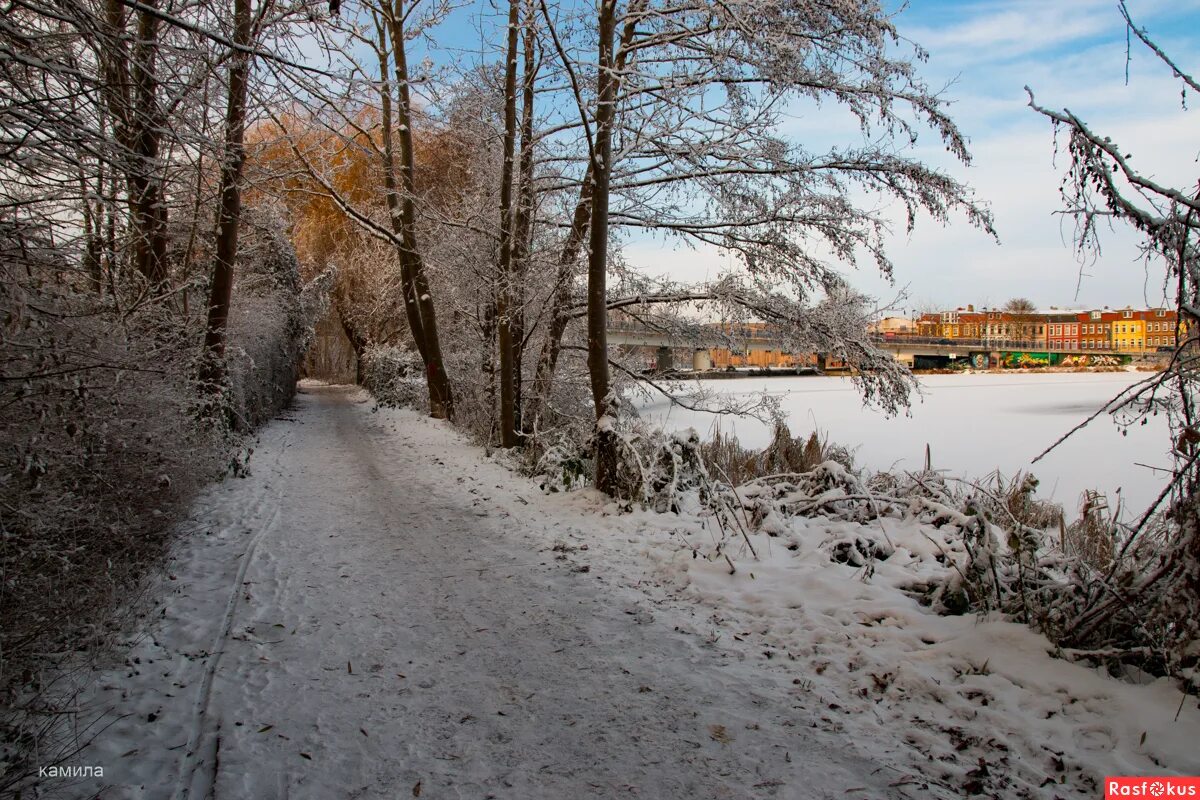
(701, 360)
(664, 360)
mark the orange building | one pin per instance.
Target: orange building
(1094, 332)
(1161, 328)
(961, 323)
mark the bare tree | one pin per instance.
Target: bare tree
(385, 32)
(700, 156)
(509, 427)
(1020, 305)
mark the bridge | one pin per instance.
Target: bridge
(912, 350)
(699, 340)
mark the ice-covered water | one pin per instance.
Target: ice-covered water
(973, 424)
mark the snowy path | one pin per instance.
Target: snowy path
(376, 613)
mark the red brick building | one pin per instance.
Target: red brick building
(1062, 330)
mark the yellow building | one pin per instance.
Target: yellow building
(1129, 331)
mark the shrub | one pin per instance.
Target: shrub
(106, 441)
(395, 376)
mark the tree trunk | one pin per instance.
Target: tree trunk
(412, 308)
(441, 399)
(523, 221)
(146, 196)
(597, 292)
(229, 214)
(358, 344)
(543, 381)
(93, 235)
(509, 434)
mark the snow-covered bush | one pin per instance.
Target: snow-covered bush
(734, 464)
(271, 323)
(562, 465)
(395, 377)
(1003, 551)
(105, 438)
(101, 444)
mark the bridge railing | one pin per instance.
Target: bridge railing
(980, 344)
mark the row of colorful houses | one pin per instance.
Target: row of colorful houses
(1126, 330)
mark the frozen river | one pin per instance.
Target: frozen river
(974, 424)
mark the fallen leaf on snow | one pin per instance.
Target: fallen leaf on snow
(718, 734)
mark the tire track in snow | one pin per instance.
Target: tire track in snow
(201, 749)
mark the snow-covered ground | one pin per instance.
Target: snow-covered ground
(973, 423)
(380, 611)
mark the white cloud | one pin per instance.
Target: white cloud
(989, 31)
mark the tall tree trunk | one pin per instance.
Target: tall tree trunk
(543, 381)
(441, 399)
(229, 213)
(147, 198)
(523, 220)
(93, 214)
(109, 267)
(487, 358)
(597, 292)
(509, 435)
(412, 308)
(543, 378)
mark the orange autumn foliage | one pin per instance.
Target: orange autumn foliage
(322, 232)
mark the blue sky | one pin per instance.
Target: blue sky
(1072, 53)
